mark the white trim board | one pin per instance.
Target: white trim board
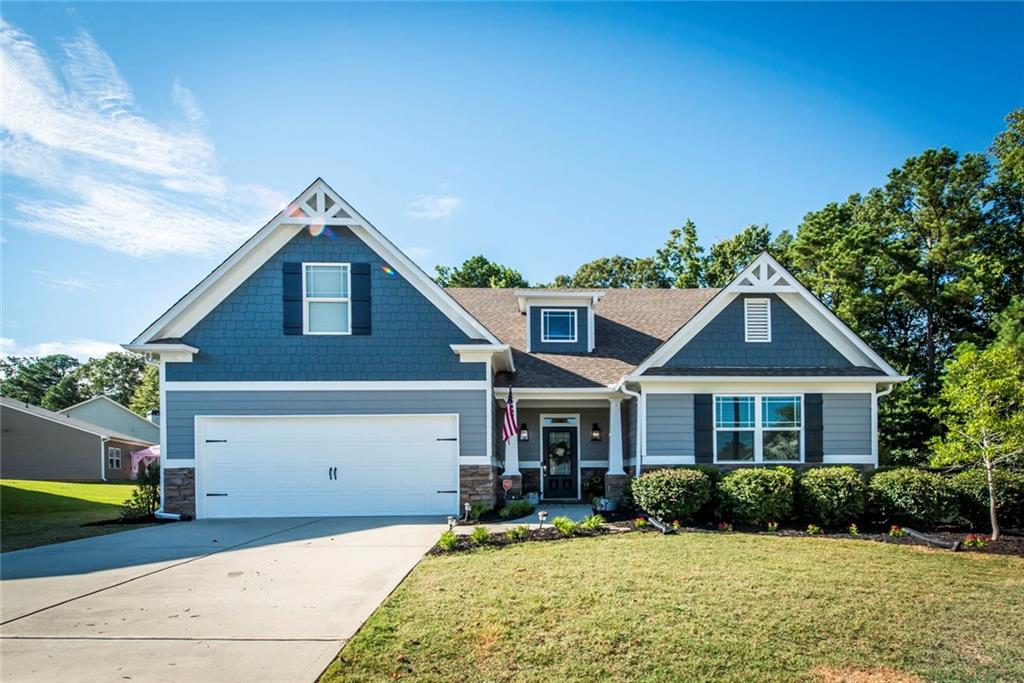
(259, 248)
(457, 385)
(765, 275)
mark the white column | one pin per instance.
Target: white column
(512, 450)
(615, 436)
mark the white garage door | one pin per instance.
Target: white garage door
(327, 465)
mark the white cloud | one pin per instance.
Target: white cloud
(418, 254)
(64, 283)
(82, 349)
(110, 175)
(435, 207)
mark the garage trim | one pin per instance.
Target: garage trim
(200, 445)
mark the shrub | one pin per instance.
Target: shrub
(517, 533)
(724, 526)
(639, 523)
(672, 493)
(479, 534)
(514, 509)
(971, 490)
(854, 531)
(145, 498)
(911, 496)
(773, 526)
(564, 525)
(476, 510)
(592, 522)
(757, 495)
(975, 541)
(813, 529)
(831, 495)
(448, 540)
(904, 457)
(896, 531)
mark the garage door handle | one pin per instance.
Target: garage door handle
(447, 491)
(448, 438)
(216, 441)
(212, 495)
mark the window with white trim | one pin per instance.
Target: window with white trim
(326, 307)
(113, 458)
(558, 325)
(757, 320)
(758, 428)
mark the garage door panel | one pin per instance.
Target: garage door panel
(281, 466)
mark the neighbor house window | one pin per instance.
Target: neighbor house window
(758, 428)
(325, 298)
(757, 320)
(114, 458)
(558, 325)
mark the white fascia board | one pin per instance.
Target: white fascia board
(216, 286)
(746, 385)
(554, 394)
(160, 348)
(783, 283)
(435, 385)
(583, 297)
(499, 354)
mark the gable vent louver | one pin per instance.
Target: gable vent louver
(757, 319)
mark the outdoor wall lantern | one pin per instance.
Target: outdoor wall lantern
(524, 432)
(595, 433)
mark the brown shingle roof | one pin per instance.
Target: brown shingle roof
(629, 325)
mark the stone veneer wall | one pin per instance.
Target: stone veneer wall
(478, 484)
(180, 491)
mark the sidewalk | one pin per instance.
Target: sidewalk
(574, 511)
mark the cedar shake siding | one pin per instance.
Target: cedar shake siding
(794, 343)
(243, 338)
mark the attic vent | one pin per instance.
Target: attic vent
(757, 320)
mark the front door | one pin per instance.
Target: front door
(560, 462)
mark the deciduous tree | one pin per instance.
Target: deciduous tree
(478, 271)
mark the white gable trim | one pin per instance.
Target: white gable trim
(765, 275)
(318, 204)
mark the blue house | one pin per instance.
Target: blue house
(319, 371)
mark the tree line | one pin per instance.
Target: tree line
(931, 260)
(59, 381)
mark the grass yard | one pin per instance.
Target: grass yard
(737, 607)
(36, 513)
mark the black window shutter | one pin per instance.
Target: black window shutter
(703, 424)
(361, 298)
(813, 428)
(291, 297)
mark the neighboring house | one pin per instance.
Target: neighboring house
(106, 412)
(319, 371)
(36, 443)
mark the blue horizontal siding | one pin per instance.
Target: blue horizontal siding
(183, 407)
(846, 420)
(670, 424)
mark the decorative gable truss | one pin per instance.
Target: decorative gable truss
(317, 208)
(766, 276)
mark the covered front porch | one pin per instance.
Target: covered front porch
(571, 445)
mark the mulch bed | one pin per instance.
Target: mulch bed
(149, 519)
(1007, 545)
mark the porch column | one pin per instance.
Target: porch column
(512, 450)
(615, 478)
(615, 437)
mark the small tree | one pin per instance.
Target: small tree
(982, 408)
(146, 398)
(146, 496)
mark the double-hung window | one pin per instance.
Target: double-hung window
(113, 458)
(558, 325)
(326, 307)
(758, 428)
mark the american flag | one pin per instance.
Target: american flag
(508, 425)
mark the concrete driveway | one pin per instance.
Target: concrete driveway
(232, 600)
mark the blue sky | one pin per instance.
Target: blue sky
(143, 143)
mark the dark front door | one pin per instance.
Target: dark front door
(560, 462)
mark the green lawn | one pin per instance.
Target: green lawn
(734, 607)
(41, 512)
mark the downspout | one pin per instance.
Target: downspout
(103, 458)
(621, 386)
(874, 420)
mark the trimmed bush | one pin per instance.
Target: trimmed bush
(479, 534)
(971, 490)
(448, 540)
(672, 494)
(564, 525)
(757, 495)
(911, 496)
(514, 509)
(831, 496)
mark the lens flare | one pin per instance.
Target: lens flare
(388, 270)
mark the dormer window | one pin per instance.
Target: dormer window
(558, 325)
(757, 320)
